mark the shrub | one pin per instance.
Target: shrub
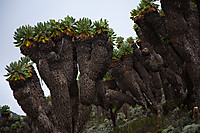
(17, 124)
(23, 124)
(194, 128)
(13, 126)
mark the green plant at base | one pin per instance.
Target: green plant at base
(17, 124)
(19, 70)
(13, 126)
(23, 124)
(6, 129)
(2, 129)
(23, 35)
(108, 77)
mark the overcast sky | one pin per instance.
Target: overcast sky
(14, 13)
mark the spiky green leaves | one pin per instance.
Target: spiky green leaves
(84, 27)
(101, 26)
(23, 34)
(43, 32)
(19, 70)
(53, 30)
(4, 109)
(123, 47)
(144, 5)
(112, 35)
(119, 41)
(130, 40)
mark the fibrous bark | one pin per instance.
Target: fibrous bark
(168, 59)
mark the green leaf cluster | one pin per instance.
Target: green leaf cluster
(85, 26)
(123, 47)
(101, 26)
(4, 109)
(48, 31)
(112, 35)
(119, 41)
(23, 34)
(13, 126)
(19, 70)
(144, 4)
(42, 32)
(130, 40)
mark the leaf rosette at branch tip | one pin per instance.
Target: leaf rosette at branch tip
(112, 35)
(130, 40)
(51, 31)
(68, 25)
(55, 29)
(84, 28)
(43, 32)
(19, 70)
(125, 49)
(101, 26)
(119, 41)
(145, 7)
(24, 36)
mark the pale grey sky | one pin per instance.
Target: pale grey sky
(14, 13)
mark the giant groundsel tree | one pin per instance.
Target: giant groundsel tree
(163, 60)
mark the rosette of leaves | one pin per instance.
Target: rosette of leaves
(13, 126)
(23, 124)
(84, 28)
(68, 25)
(43, 32)
(119, 41)
(17, 124)
(24, 35)
(101, 26)
(54, 27)
(125, 49)
(112, 35)
(145, 6)
(130, 40)
(19, 70)
(5, 109)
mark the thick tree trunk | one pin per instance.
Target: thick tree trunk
(30, 97)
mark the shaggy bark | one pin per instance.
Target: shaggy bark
(93, 58)
(168, 59)
(30, 97)
(175, 36)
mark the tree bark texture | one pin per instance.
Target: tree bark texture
(168, 59)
